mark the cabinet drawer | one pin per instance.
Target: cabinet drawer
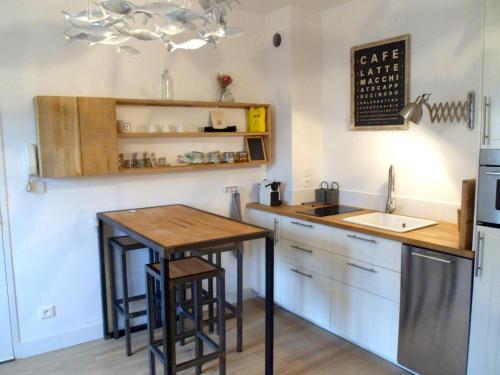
(365, 319)
(306, 232)
(307, 257)
(377, 280)
(370, 249)
(306, 293)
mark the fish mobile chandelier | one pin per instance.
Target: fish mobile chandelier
(118, 22)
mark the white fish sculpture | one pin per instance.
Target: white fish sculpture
(172, 28)
(222, 32)
(189, 45)
(128, 50)
(112, 40)
(184, 15)
(140, 34)
(122, 7)
(84, 18)
(112, 22)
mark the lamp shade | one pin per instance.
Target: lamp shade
(413, 112)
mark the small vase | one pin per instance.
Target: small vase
(226, 96)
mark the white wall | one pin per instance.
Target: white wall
(431, 160)
(54, 244)
(294, 71)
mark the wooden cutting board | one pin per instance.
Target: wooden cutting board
(466, 221)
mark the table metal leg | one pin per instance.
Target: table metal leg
(168, 318)
(269, 304)
(102, 272)
(239, 302)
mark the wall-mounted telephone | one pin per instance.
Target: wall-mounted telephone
(31, 155)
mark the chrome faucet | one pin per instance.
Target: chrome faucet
(391, 202)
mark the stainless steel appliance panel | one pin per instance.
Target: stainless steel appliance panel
(435, 312)
(488, 201)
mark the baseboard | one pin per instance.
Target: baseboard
(34, 347)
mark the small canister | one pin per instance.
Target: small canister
(332, 194)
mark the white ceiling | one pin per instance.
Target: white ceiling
(265, 6)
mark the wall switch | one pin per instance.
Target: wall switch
(46, 312)
(231, 189)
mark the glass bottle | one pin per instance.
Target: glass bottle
(167, 86)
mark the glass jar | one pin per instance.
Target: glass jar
(167, 86)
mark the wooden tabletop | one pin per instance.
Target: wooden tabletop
(177, 227)
(442, 237)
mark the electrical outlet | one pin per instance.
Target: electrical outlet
(46, 312)
(231, 189)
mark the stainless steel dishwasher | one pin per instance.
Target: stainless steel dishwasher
(435, 312)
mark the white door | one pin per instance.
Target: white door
(484, 350)
(491, 82)
(6, 351)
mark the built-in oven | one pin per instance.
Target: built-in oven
(488, 204)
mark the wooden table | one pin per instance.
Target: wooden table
(176, 229)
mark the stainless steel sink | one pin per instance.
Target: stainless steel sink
(390, 222)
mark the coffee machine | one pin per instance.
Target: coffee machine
(269, 193)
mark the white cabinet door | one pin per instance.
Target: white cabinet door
(491, 82)
(484, 347)
(306, 293)
(257, 270)
(366, 319)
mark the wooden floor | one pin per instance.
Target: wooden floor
(300, 348)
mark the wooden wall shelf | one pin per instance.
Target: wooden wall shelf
(190, 135)
(185, 104)
(78, 136)
(191, 167)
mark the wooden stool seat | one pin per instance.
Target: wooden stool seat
(187, 267)
(127, 243)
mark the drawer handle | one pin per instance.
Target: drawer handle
(353, 236)
(431, 258)
(301, 273)
(302, 225)
(372, 270)
(495, 173)
(477, 256)
(301, 249)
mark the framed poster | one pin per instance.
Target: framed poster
(380, 84)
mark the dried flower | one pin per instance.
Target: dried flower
(224, 80)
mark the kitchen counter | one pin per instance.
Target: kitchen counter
(442, 237)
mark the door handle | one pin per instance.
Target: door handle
(486, 120)
(301, 249)
(495, 173)
(477, 256)
(276, 231)
(372, 270)
(431, 258)
(301, 273)
(302, 225)
(353, 236)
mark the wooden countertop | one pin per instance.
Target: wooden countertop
(442, 237)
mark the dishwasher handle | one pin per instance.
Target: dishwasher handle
(431, 258)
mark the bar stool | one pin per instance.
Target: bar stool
(192, 270)
(121, 307)
(235, 310)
